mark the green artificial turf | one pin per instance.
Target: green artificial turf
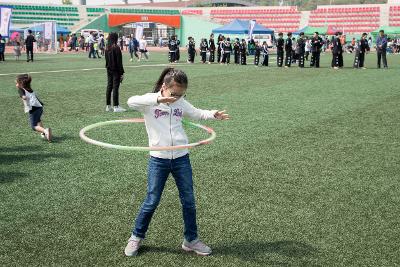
(306, 172)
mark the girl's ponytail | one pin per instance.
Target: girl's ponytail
(160, 81)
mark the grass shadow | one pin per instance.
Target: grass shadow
(258, 252)
(6, 159)
(8, 177)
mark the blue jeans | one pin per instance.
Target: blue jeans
(158, 172)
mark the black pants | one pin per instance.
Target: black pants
(301, 60)
(226, 57)
(177, 55)
(256, 59)
(1, 56)
(203, 56)
(265, 60)
(382, 54)
(172, 56)
(315, 59)
(91, 51)
(191, 56)
(236, 57)
(335, 60)
(288, 58)
(219, 55)
(359, 59)
(307, 54)
(243, 58)
(29, 53)
(132, 52)
(113, 82)
(212, 56)
(279, 59)
(341, 60)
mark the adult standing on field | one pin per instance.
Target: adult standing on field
(381, 45)
(30, 39)
(115, 72)
(316, 45)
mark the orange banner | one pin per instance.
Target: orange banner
(117, 20)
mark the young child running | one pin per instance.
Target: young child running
(32, 104)
(163, 112)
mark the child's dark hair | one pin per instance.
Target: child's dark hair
(171, 75)
(112, 39)
(24, 80)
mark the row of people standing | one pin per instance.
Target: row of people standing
(225, 48)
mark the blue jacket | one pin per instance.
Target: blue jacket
(133, 45)
(381, 41)
(2, 46)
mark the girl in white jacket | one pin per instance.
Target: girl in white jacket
(163, 112)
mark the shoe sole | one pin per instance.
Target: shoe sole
(131, 255)
(197, 252)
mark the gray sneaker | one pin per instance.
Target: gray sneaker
(197, 246)
(133, 246)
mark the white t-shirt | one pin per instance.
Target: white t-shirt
(142, 44)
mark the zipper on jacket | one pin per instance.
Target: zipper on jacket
(170, 131)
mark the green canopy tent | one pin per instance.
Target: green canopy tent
(310, 30)
(389, 31)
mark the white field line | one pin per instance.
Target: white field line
(103, 68)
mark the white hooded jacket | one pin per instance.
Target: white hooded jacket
(164, 122)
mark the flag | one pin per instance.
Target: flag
(139, 31)
(252, 24)
(5, 19)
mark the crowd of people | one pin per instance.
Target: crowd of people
(289, 50)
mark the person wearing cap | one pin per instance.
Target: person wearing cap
(361, 49)
(279, 49)
(336, 50)
(30, 39)
(381, 45)
(316, 44)
(288, 50)
(300, 49)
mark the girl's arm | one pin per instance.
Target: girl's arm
(141, 102)
(200, 114)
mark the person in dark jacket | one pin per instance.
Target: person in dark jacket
(211, 43)
(30, 39)
(243, 52)
(115, 72)
(279, 49)
(316, 44)
(301, 49)
(257, 53)
(361, 49)
(203, 50)
(2, 48)
(288, 50)
(173, 47)
(236, 51)
(336, 51)
(191, 50)
(381, 45)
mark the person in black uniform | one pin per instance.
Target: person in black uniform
(172, 45)
(191, 50)
(30, 39)
(362, 48)
(177, 54)
(316, 44)
(301, 49)
(212, 49)
(336, 50)
(264, 52)
(115, 72)
(243, 52)
(257, 53)
(279, 49)
(226, 50)
(236, 51)
(203, 50)
(288, 50)
(219, 41)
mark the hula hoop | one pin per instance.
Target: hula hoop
(82, 135)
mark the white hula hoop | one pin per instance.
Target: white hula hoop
(82, 135)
